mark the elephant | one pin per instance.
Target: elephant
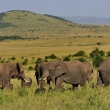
(10, 70)
(40, 68)
(103, 73)
(72, 72)
(25, 84)
(90, 71)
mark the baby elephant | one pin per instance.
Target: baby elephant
(26, 84)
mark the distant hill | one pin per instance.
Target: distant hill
(17, 24)
(88, 20)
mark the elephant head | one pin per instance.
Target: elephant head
(26, 84)
(52, 70)
(17, 71)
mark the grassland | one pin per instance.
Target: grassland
(90, 97)
(50, 35)
(32, 25)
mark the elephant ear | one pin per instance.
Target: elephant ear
(18, 67)
(14, 70)
(60, 70)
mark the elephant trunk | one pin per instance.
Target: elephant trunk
(44, 77)
(26, 80)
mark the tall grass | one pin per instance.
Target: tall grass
(90, 97)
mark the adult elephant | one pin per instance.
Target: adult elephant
(41, 69)
(72, 72)
(90, 70)
(103, 73)
(10, 70)
(25, 84)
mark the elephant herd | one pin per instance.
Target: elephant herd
(72, 72)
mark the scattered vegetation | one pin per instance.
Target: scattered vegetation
(22, 40)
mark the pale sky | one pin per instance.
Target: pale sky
(92, 8)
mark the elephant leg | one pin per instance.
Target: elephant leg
(42, 85)
(83, 82)
(106, 82)
(89, 78)
(6, 85)
(99, 81)
(75, 87)
(58, 82)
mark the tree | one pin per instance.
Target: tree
(98, 43)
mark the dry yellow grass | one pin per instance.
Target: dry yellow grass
(44, 47)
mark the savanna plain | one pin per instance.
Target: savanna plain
(35, 37)
(90, 97)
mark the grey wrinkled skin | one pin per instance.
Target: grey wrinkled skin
(72, 72)
(103, 73)
(90, 71)
(10, 70)
(26, 84)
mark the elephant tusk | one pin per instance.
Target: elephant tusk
(26, 80)
(92, 75)
(45, 78)
(40, 78)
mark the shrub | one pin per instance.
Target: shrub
(101, 52)
(22, 57)
(25, 62)
(79, 53)
(13, 58)
(97, 61)
(66, 59)
(108, 53)
(94, 53)
(52, 56)
(81, 59)
(30, 68)
(39, 60)
(97, 52)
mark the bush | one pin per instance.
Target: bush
(22, 57)
(94, 53)
(79, 53)
(25, 62)
(81, 59)
(97, 61)
(97, 52)
(108, 53)
(30, 68)
(39, 60)
(13, 58)
(52, 56)
(66, 59)
(101, 52)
